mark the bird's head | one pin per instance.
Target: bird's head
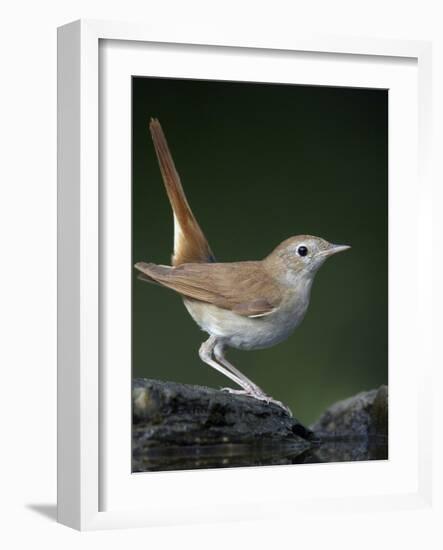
(301, 256)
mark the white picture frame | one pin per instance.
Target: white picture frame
(83, 439)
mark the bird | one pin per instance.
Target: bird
(247, 305)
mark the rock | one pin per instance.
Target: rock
(353, 429)
(364, 415)
(177, 426)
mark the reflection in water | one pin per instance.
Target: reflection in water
(235, 455)
(348, 450)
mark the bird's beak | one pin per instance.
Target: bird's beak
(334, 249)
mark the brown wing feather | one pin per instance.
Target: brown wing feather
(190, 244)
(242, 287)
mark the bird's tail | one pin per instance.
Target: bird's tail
(190, 244)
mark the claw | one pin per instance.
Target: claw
(280, 404)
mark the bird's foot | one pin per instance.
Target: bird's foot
(260, 397)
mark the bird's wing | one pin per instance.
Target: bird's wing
(242, 287)
(190, 243)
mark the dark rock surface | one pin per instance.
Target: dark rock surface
(363, 415)
(194, 426)
(353, 429)
(179, 426)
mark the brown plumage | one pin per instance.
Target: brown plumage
(190, 244)
(242, 287)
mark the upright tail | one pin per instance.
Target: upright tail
(190, 244)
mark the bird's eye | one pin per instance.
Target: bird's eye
(302, 251)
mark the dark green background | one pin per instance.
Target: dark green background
(259, 163)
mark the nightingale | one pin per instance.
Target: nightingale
(246, 305)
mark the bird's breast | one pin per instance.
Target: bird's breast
(242, 332)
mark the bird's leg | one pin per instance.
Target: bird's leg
(206, 355)
(249, 387)
(213, 347)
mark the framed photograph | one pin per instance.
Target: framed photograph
(215, 351)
